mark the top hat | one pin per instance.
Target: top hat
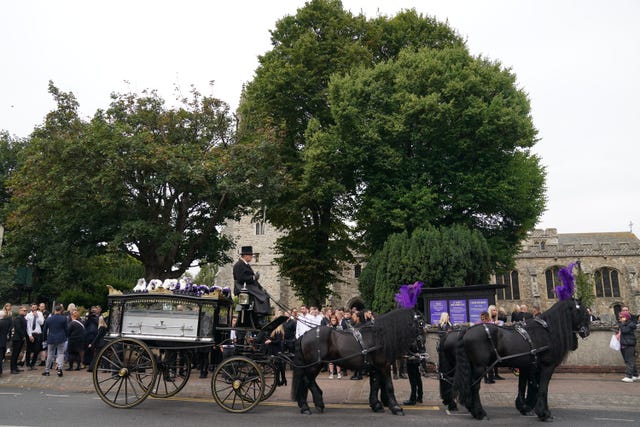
(246, 250)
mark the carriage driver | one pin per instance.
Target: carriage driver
(243, 275)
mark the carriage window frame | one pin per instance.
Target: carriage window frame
(607, 283)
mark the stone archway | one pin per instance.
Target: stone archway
(355, 302)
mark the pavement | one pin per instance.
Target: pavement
(567, 390)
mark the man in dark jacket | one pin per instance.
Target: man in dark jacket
(5, 330)
(55, 327)
(243, 276)
(19, 335)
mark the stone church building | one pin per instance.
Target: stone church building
(611, 259)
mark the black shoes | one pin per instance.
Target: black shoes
(498, 377)
(403, 376)
(16, 371)
(409, 402)
(59, 372)
(45, 374)
(356, 377)
(489, 381)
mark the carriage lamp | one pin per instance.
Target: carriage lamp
(243, 297)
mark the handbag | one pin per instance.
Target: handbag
(614, 343)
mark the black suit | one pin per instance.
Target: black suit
(17, 342)
(243, 274)
(5, 330)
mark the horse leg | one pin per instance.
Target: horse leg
(316, 392)
(301, 389)
(446, 367)
(542, 405)
(522, 404)
(476, 408)
(533, 384)
(387, 389)
(374, 387)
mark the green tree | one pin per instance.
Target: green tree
(439, 257)
(139, 179)
(584, 288)
(207, 274)
(286, 104)
(438, 137)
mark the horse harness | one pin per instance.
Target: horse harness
(525, 335)
(358, 337)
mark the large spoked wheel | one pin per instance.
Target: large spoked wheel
(173, 370)
(237, 384)
(269, 374)
(124, 373)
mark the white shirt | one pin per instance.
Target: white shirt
(303, 324)
(39, 322)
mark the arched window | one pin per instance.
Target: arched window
(552, 280)
(607, 283)
(512, 289)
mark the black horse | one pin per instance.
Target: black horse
(447, 347)
(373, 346)
(536, 347)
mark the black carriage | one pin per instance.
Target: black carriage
(150, 341)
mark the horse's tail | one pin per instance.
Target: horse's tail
(463, 379)
(298, 389)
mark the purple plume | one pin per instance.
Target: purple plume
(407, 297)
(565, 291)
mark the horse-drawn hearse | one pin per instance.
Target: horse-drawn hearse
(153, 336)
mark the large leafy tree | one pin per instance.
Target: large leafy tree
(439, 257)
(438, 137)
(286, 104)
(140, 179)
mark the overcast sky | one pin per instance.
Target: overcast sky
(579, 61)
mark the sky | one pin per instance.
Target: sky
(578, 61)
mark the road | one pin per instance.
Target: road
(52, 408)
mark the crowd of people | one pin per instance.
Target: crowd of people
(33, 337)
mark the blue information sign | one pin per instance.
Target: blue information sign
(477, 306)
(436, 308)
(458, 311)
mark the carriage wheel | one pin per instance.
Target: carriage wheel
(173, 371)
(269, 374)
(124, 373)
(237, 384)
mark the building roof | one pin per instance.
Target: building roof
(549, 243)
